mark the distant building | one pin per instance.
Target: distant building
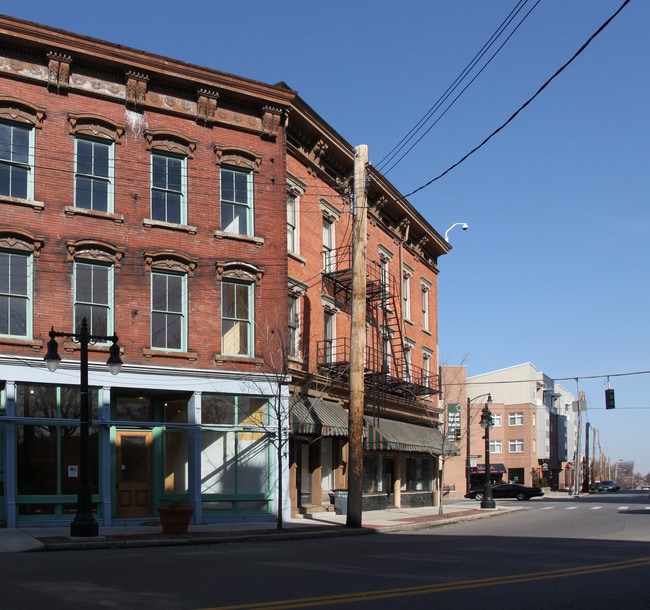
(533, 440)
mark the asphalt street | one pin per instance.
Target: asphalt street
(587, 552)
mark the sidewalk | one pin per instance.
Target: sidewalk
(312, 526)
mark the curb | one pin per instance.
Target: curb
(135, 541)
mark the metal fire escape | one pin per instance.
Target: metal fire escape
(387, 370)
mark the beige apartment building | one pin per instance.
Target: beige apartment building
(532, 441)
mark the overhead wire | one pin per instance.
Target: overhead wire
(456, 83)
(524, 105)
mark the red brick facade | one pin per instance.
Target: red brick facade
(233, 152)
(168, 117)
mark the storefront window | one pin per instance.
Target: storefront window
(49, 401)
(234, 461)
(253, 463)
(176, 462)
(136, 408)
(47, 450)
(418, 474)
(377, 473)
(250, 410)
(218, 409)
(176, 448)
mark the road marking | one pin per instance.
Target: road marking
(623, 507)
(547, 507)
(571, 507)
(595, 508)
(369, 596)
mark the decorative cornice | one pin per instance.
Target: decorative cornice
(237, 157)
(170, 260)
(92, 124)
(271, 122)
(238, 270)
(58, 72)
(96, 250)
(136, 90)
(206, 107)
(19, 239)
(15, 109)
(171, 141)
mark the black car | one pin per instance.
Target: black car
(607, 486)
(508, 490)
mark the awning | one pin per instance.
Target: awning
(317, 417)
(494, 469)
(387, 435)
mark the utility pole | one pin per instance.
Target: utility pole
(585, 484)
(468, 453)
(357, 338)
(577, 468)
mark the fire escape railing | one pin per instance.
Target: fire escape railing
(407, 380)
(387, 367)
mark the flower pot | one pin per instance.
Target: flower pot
(175, 519)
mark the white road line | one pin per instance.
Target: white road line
(571, 507)
(623, 507)
(595, 508)
(547, 507)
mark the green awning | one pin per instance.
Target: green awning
(317, 417)
(387, 435)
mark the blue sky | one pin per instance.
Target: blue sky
(553, 269)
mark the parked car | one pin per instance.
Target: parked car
(508, 490)
(607, 486)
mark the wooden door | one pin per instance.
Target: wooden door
(133, 457)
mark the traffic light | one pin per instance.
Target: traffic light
(457, 435)
(610, 402)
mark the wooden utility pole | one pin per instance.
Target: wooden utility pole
(357, 339)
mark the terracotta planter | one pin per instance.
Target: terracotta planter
(175, 519)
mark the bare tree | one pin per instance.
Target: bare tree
(277, 375)
(451, 391)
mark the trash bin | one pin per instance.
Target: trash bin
(341, 501)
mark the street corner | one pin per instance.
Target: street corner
(15, 541)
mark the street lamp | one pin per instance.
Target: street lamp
(468, 453)
(84, 524)
(486, 424)
(464, 225)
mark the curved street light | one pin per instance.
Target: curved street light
(464, 225)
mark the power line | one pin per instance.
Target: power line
(524, 105)
(421, 123)
(554, 379)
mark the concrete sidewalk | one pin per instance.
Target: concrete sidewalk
(316, 525)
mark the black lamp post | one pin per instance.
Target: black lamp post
(468, 452)
(84, 524)
(486, 424)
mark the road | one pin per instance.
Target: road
(590, 552)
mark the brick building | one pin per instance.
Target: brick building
(401, 439)
(143, 194)
(533, 440)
